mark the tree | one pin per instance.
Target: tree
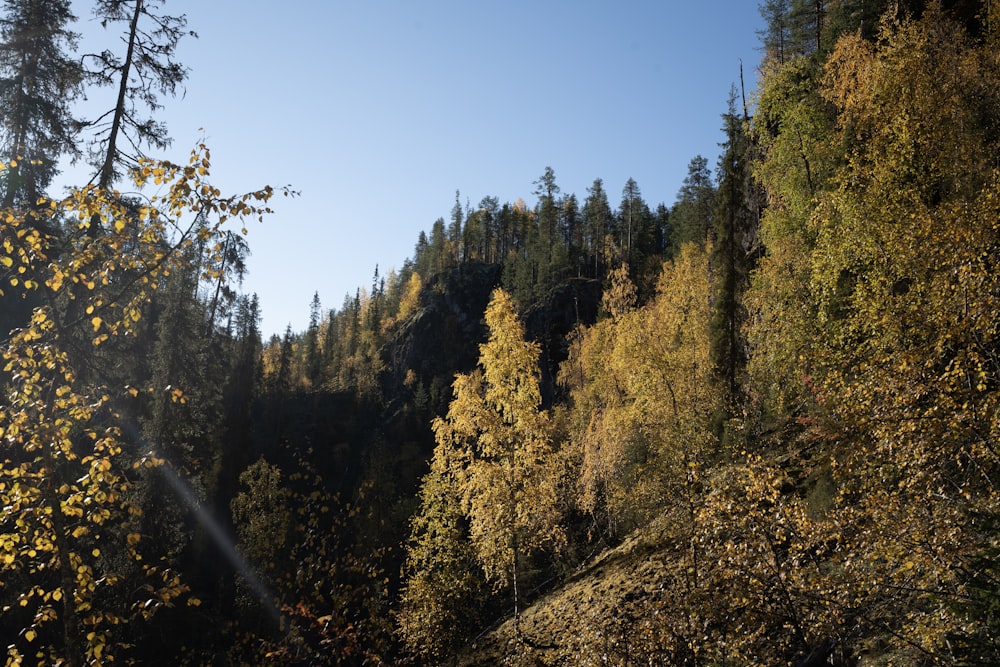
(456, 246)
(38, 84)
(441, 601)
(69, 533)
(489, 209)
(629, 213)
(145, 71)
(734, 247)
(571, 232)
(911, 355)
(179, 427)
(546, 186)
(313, 358)
(870, 315)
(643, 395)
(262, 515)
(440, 258)
(226, 266)
(409, 302)
(691, 214)
(598, 222)
(776, 35)
(638, 239)
(507, 466)
(792, 130)
(807, 18)
(545, 260)
(326, 600)
(421, 255)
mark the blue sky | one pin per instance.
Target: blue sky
(378, 111)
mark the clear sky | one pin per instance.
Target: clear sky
(377, 111)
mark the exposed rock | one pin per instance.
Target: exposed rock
(443, 337)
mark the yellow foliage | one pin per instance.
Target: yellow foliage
(507, 466)
(105, 277)
(643, 395)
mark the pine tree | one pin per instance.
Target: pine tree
(455, 229)
(635, 224)
(311, 342)
(145, 71)
(440, 259)
(598, 221)
(571, 230)
(492, 248)
(38, 84)
(691, 215)
(776, 36)
(733, 250)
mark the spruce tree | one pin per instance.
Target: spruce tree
(313, 356)
(691, 215)
(142, 74)
(38, 83)
(733, 234)
(598, 221)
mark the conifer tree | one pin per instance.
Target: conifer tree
(145, 71)
(691, 215)
(734, 243)
(38, 83)
(635, 224)
(598, 221)
(455, 229)
(776, 35)
(311, 343)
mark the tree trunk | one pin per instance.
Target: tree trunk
(108, 170)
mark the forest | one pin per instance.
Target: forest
(757, 426)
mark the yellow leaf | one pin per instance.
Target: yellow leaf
(96, 322)
(30, 635)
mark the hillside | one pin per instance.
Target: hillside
(759, 426)
(603, 613)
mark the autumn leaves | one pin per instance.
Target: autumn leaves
(843, 500)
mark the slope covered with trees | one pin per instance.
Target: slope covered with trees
(755, 427)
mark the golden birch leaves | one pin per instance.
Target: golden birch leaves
(507, 465)
(71, 530)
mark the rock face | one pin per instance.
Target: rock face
(443, 337)
(552, 320)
